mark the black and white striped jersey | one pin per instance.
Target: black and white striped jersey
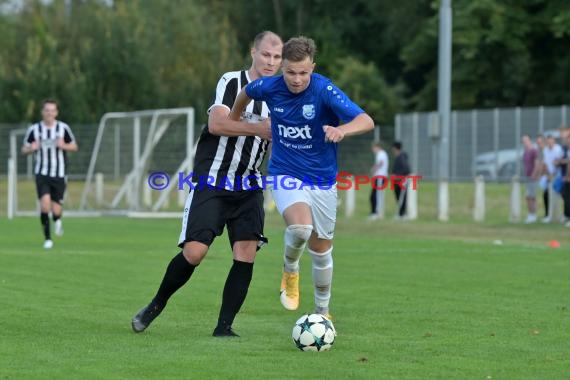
(228, 162)
(49, 159)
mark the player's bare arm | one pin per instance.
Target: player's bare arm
(376, 167)
(537, 171)
(242, 100)
(360, 124)
(30, 148)
(220, 124)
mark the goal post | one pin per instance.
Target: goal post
(153, 145)
(109, 173)
(18, 167)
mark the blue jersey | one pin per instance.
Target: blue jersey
(297, 120)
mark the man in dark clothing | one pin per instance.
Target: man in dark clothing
(401, 168)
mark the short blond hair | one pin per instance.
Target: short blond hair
(299, 48)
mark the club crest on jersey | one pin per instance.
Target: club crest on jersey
(309, 111)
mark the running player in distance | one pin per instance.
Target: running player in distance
(50, 140)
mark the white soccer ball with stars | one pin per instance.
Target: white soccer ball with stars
(314, 332)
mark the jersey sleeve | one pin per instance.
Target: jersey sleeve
(68, 135)
(30, 136)
(226, 92)
(343, 107)
(256, 88)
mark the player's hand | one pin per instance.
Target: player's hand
(265, 129)
(32, 147)
(60, 143)
(333, 134)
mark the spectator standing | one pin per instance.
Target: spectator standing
(401, 168)
(380, 168)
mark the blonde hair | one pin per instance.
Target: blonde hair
(299, 48)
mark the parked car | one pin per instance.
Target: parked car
(502, 165)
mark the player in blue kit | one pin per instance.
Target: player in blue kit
(309, 116)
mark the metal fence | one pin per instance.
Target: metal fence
(482, 141)
(116, 159)
(354, 154)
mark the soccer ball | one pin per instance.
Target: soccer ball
(313, 332)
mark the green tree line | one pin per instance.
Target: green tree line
(98, 56)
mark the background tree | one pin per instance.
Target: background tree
(138, 54)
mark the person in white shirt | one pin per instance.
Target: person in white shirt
(380, 168)
(551, 153)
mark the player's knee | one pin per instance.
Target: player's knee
(194, 252)
(319, 245)
(245, 251)
(45, 205)
(296, 235)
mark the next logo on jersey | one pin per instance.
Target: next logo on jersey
(295, 132)
(309, 111)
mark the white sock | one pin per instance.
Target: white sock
(296, 237)
(322, 279)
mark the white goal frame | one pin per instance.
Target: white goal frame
(12, 178)
(130, 189)
(133, 187)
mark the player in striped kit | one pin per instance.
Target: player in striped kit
(50, 140)
(227, 152)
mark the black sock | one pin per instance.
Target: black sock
(235, 291)
(55, 217)
(44, 218)
(177, 274)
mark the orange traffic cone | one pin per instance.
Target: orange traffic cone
(554, 244)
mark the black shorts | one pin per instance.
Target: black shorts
(54, 186)
(207, 211)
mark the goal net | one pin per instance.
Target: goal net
(110, 173)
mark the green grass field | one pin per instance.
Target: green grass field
(418, 300)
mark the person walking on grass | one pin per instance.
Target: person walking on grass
(49, 140)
